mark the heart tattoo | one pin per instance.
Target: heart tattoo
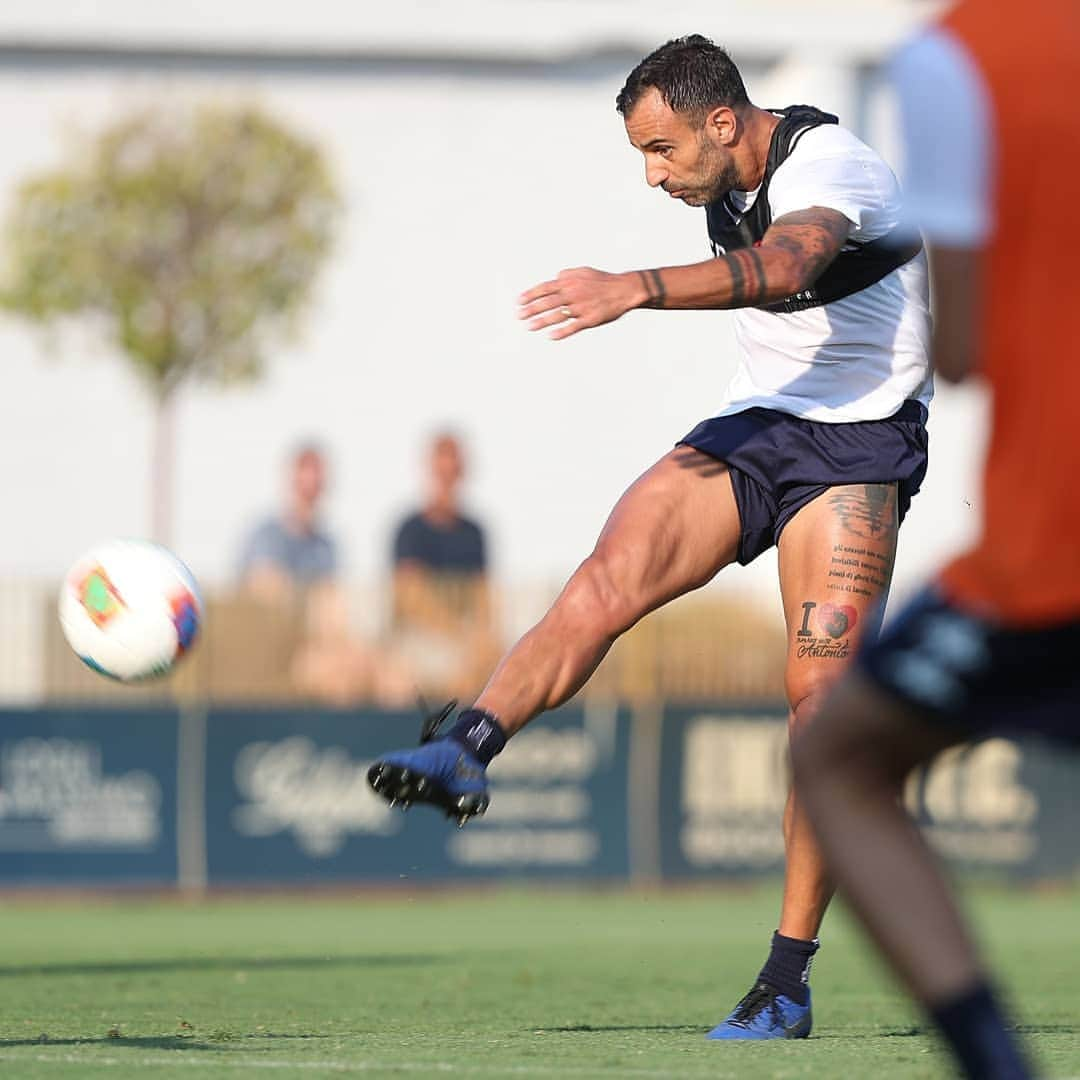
(837, 619)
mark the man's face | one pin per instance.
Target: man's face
(447, 463)
(309, 477)
(690, 161)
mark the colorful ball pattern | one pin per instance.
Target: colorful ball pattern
(130, 609)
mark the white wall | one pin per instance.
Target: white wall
(462, 189)
(498, 29)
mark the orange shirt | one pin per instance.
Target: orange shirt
(1025, 569)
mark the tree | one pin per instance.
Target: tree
(190, 238)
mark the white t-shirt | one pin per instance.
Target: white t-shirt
(858, 358)
(945, 115)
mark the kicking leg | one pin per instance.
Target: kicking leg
(672, 530)
(670, 533)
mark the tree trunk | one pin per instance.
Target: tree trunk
(161, 467)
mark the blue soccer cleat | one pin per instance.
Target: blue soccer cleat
(440, 771)
(765, 1014)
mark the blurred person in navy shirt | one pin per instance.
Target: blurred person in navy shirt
(442, 607)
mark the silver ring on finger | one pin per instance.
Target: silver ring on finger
(565, 312)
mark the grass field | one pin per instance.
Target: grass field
(485, 984)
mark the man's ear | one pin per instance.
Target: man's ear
(722, 125)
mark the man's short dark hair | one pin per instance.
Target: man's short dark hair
(692, 74)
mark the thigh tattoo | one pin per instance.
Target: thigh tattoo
(859, 564)
(868, 511)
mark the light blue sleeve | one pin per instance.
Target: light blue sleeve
(946, 122)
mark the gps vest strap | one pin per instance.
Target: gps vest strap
(861, 263)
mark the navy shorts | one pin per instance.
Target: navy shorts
(779, 462)
(977, 676)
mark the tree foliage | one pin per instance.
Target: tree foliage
(191, 237)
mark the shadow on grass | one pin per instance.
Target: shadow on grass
(1047, 1029)
(209, 963)
(862, 1034)
(217, 1042)
(585, 1029)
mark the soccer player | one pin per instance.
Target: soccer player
(817, 446)
(992, 643)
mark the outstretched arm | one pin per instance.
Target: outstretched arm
(790, 258)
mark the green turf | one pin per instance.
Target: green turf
(507, 983)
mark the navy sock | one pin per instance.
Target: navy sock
(480, 732)
(975, 1028)
(788, 967)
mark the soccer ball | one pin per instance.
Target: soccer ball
(130, 609)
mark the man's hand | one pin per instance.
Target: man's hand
(581, 299)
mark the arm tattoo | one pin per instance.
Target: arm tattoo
(738, 282)
(755, 271)
(809, 246)
(762, 290)
(654, 286)
(749, 286)
(813, 237)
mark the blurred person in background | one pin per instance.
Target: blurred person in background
(443, 622)
(290, 549)
(990, 645)
(817, 446)
(291, 561)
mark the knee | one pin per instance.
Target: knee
(815, 748)
(809, 752)
(598, 596)
(837, 739)
(806, 699)
(825, 755)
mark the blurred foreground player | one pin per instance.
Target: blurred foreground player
(817, 446)
(993, 139)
